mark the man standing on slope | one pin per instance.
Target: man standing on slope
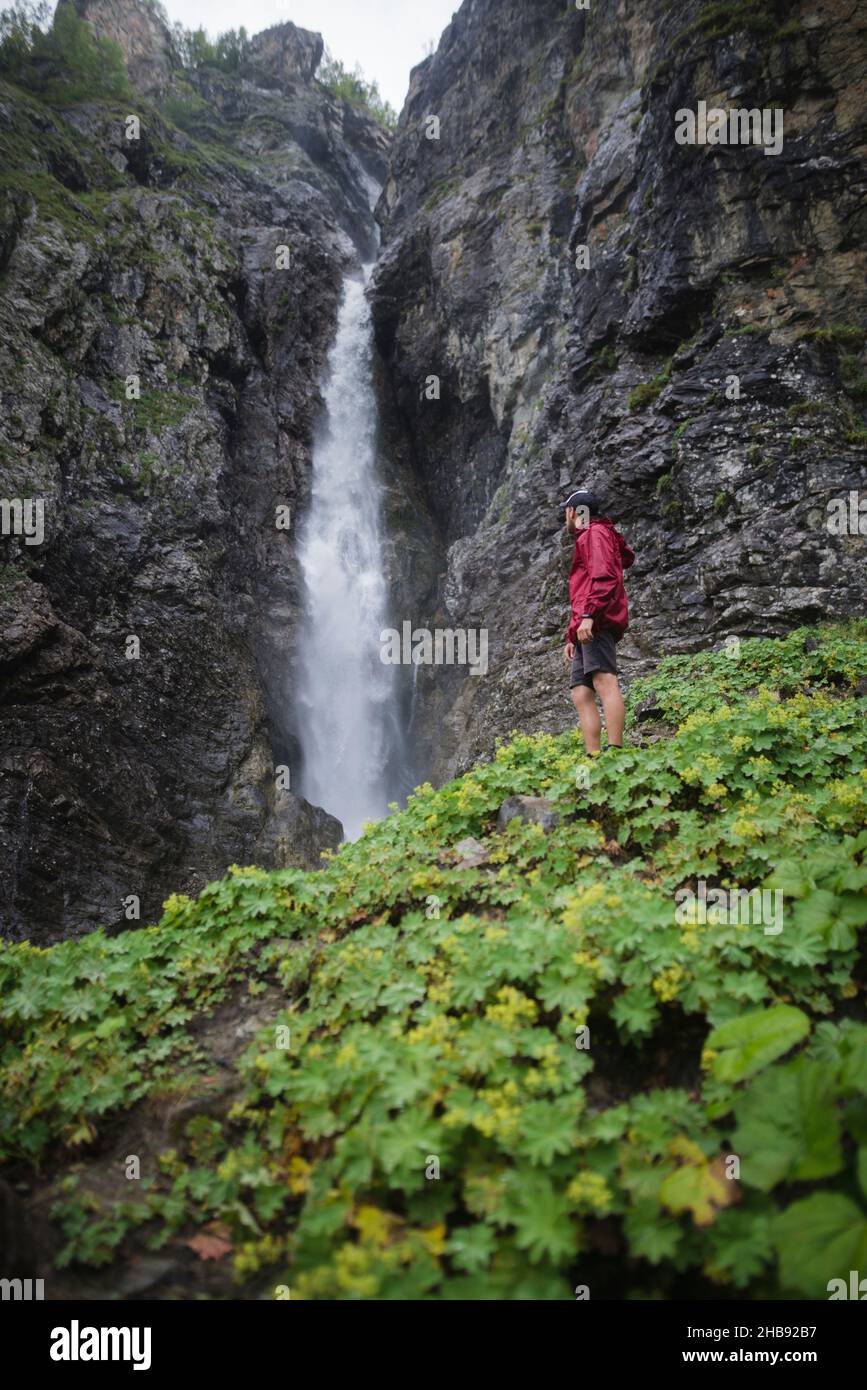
(600, 616)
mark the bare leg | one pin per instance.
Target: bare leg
(613, 707)
(584, 701)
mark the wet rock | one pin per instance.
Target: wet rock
(159, 389)
(143, 1274)
(557, 134)
(296, 833)
(470, 853)
(536, 810)
(18, 1242)
(648, 709)
(214, 1100)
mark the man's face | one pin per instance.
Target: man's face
(576, 519)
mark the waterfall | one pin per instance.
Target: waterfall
(411, 720)
(346, 698)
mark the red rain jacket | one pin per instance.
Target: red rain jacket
(596, 579)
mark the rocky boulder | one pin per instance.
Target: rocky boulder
(282, 55)
(532, 810)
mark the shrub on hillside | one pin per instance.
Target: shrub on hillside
(62, 60)
(355, 88)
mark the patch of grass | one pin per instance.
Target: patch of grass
(46, 164)
(187, 110)
(648, 391)
(836, 335)
(577, 69)
(854, 379)
(761, 18)
(443, 190)
(606, 359)
(10, 577)
(746, 330)
(756, 458)
(155, 410)
(720, 20)
(806, 407)
(81, 216)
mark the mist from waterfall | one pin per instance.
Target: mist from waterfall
(346, 698)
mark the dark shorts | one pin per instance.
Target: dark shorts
(599, 654)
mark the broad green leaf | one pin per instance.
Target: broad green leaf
(405, 1143)
(744, 1045)
(861, 1169)
(652, 1235)
(635, 1011)
(741, 1244)
(853, 1072)
(697, 1185)
(548, 1128)
(818, 1239)
(817, 910)
(544, 1223)
(470, 1247)
(788, 1126)
(790, 879)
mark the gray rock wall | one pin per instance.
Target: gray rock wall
(705, 263)
(155, 258)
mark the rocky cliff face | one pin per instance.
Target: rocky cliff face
(142, 36)
(678, 326)
(158, 376)
(565, 295)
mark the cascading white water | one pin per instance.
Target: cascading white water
(346, 696)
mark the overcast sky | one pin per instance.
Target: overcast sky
(386, 37)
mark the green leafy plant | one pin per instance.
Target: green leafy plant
(355, 88)
(463, 1071)
(606, 359)
(834, 336)
(63, 61)
(681, 430)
